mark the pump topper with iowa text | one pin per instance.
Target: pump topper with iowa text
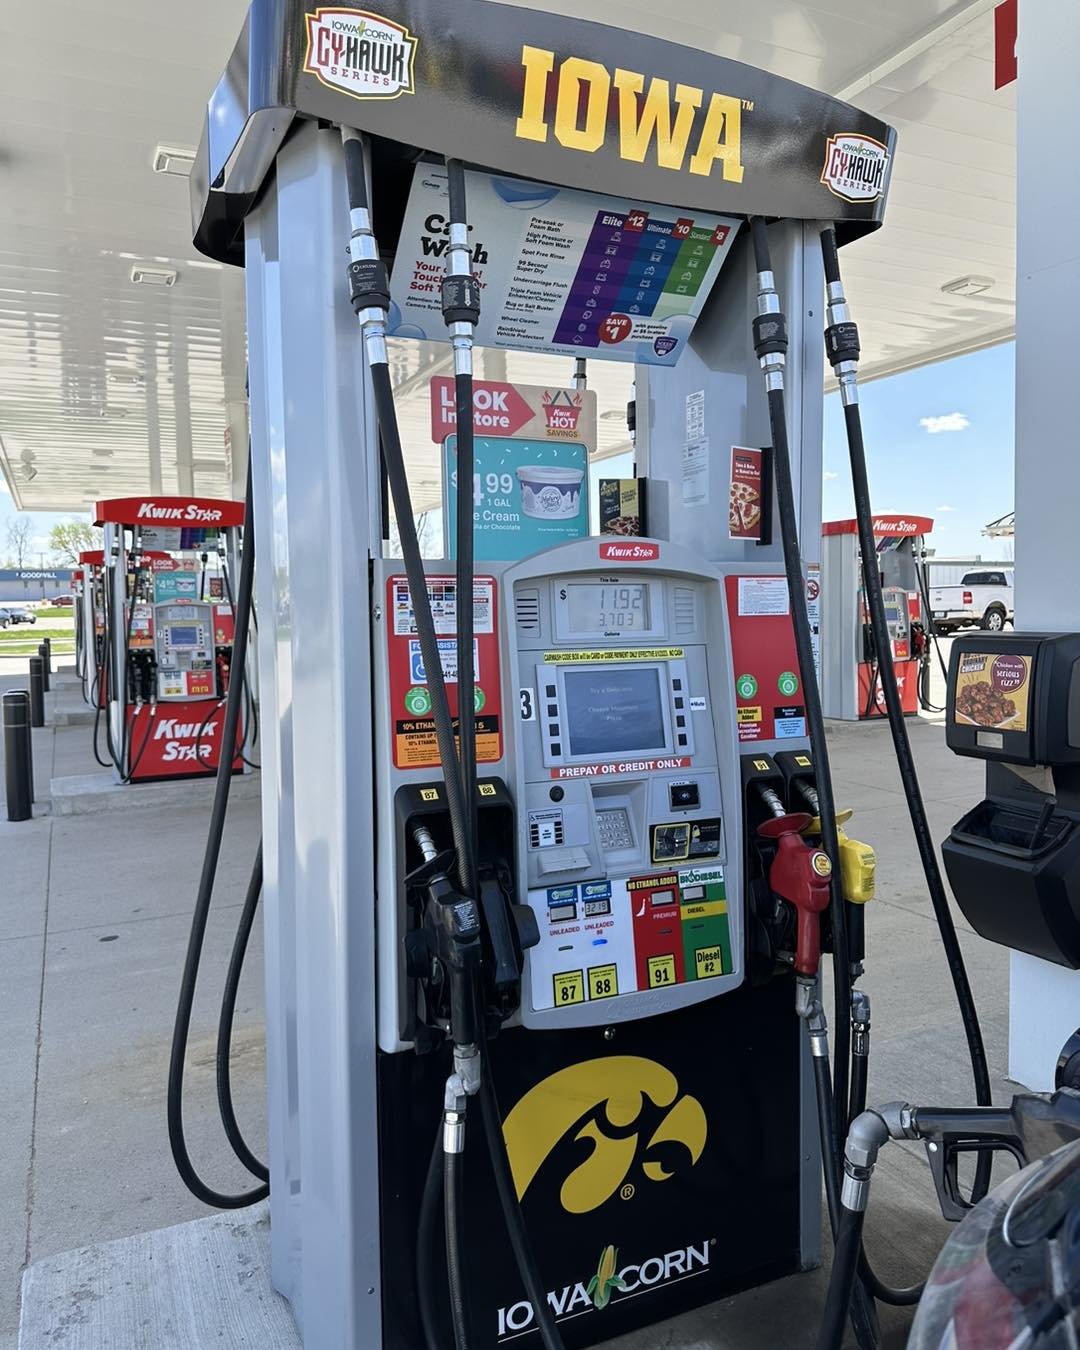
(535, 95)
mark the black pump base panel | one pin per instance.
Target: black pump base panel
(658, 1162)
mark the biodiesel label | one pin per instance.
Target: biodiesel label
(993, 689)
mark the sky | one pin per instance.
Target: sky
(939, 443)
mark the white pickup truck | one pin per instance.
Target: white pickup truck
(984, 599)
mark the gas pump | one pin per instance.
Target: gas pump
(162, 643)
(535, 833)
(851, 676)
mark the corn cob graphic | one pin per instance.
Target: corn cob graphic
(605, 1279)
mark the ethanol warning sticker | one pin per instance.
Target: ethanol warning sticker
(993, 689)
(626, 654)
(416, 746)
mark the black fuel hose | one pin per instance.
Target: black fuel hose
(905, 1296)
(425, 1244)
(863, 1316)
(455, 1246)
(842, 1279)
(841, 345)
(466, 468)
(815, 721)
(223, 1058)
(189, 978)
(397, 479)
(832, 1113)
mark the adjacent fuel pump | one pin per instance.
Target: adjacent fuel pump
(160, 642)
(852, 686)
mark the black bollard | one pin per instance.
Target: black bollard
(37, 691)
(47, 644)
(18, 755)
(43, 653)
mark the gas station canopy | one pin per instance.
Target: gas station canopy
(122, 349)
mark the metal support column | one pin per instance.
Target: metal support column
(315, 466)
(1045, 998)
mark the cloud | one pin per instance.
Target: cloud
(828, 476)
(954, 421)
(944, 508)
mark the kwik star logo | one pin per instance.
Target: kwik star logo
(364, 54)
(192, 513)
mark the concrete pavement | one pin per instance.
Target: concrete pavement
(96, 914)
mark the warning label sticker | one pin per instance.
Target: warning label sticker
(626, 654)
(411, 700)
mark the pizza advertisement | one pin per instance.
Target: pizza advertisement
(993, 689)
(746, 496)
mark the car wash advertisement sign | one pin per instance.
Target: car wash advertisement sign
(530, 484)
(561, 270)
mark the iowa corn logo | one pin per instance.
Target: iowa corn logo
(605, 1280)
(596, 1129)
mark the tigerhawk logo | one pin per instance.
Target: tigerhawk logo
(629, 1109)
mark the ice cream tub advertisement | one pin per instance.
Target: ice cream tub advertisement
(531, 479)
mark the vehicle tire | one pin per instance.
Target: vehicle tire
(993, 621)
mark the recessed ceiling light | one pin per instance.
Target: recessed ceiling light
(154, 276)
(613, 415)
(968, 285)
(173, 159)
(125, 377)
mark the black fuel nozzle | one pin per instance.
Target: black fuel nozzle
(452, 923)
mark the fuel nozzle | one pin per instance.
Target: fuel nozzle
(798, 874)
(858, 861)
(451, 924)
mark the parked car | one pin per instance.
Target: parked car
(20, 614)
(5, 616)
(983, 598)
(63, 601)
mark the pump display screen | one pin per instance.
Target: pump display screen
(183, 637)
(614, 711)
(607, 608)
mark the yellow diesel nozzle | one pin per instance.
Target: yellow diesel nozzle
(858, 861)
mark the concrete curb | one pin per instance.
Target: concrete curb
(86, 794)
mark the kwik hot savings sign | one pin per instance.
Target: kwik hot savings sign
(531, 472)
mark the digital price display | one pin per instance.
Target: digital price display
(597, 608)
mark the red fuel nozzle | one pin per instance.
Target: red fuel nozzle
(800, 875)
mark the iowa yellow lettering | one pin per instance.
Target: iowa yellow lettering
(638, 127)
(651, 120)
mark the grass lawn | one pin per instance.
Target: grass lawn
(56, 612)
